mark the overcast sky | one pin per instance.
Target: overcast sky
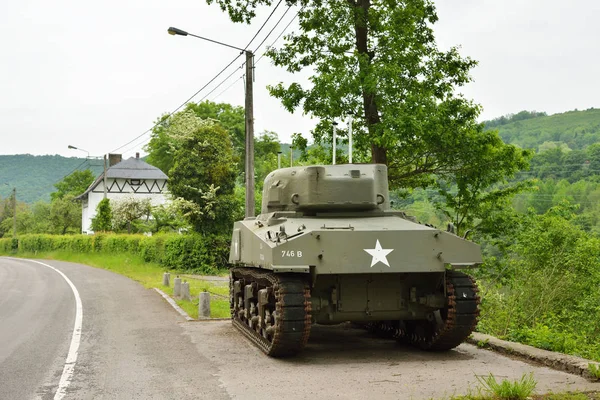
(97, 74)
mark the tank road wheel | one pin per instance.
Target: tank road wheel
(272, 310)
(449, 326)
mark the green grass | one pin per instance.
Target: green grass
(150, 275)
(490, 389)
(594, 370)
(510, 390)
(548, 396)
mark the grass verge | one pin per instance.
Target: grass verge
(148, 274)
(521, 389)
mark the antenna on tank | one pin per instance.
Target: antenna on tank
(334, 140)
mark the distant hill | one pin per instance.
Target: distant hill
(35, 176)
(577, 129)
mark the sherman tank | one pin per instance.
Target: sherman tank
(327, 248)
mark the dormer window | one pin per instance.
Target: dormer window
(135, 182)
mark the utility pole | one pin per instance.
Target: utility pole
(249, 167)
(14, 212)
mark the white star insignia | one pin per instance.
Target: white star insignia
(379, 254)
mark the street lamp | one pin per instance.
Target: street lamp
(77, 148)
(249, 108)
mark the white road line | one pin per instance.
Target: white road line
(67, 374)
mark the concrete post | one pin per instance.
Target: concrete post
(177, 287)
(204, 306)
(166, 279)
(185, 291)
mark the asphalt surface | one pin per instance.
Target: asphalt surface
(37, 310)
(135, 346)
(132, 346)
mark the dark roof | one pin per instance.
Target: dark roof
(132, 168)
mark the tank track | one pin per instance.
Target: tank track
(280, 327)
(452, 325)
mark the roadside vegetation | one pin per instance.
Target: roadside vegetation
(489, 388)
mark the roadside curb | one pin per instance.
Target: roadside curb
(174, 305)
(562, 362)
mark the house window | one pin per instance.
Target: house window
(135, 182)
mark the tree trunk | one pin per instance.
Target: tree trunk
(378, 153)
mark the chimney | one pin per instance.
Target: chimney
(114, 159)
(137, 156)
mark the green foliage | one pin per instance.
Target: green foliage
(172, 216)
(166, 136)
(130, 214)
(204, 174)
(65, 215)
(594, 370)
(73, 184)
(475, 193)
(102, 222)
(576, 129)
(542, 288)
(204, 254)
(506, 390)
(35, 176)
(509, 118)
(401, 91)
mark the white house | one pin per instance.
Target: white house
(132, 177)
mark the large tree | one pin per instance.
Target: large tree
(74, 184)
(204, 172)
(377, 60)
(165, 139)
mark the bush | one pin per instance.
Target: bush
(193, 252)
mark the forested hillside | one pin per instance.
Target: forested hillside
(34, 176)
(577, 129)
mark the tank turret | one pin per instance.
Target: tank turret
(327, 188)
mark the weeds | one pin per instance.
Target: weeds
(594, 370)
(506, 390)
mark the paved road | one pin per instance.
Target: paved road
(135, 346)
(37, 311)
(132, 346)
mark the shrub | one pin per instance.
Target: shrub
(194, 252)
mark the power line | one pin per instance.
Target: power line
(76, 168)
(181, 105)
(206, 85)
(256, 62)
(280, 34)
(228, 87)
(263, 25)
(272, 29)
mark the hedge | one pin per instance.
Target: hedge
(191, 252)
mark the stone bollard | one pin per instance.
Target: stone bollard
(177, 287)
(166, 279)
(204, 306)
(185, 291)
